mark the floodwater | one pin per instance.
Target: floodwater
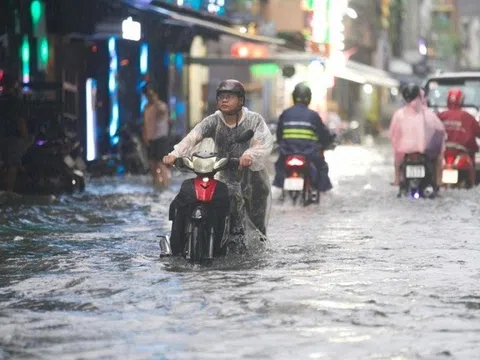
(364, 275)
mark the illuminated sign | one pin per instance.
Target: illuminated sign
(131, 30)
(249, 50)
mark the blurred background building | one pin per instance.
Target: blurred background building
(95, 55)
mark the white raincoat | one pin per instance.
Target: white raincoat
(250, 187)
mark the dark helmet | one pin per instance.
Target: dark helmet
(410, 92)
(302, 94)
(233, 87)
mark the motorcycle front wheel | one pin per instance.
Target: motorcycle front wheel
(197, 244)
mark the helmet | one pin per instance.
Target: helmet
(233, 87)
(410, 92)
(455, 98)
(302, 94)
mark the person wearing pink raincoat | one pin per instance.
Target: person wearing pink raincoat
(415, 128)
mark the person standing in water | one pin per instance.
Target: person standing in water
(155, 133)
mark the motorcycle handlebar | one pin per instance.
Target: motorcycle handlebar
(232, 164)
(178, 163)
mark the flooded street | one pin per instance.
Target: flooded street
(363, 276)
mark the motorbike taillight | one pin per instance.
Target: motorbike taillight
(295, 161)
(449, 160)
(463, 162)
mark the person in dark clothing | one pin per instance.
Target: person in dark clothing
(300, 131)
(13, 131)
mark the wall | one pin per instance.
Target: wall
(197, 77)
(287, 15)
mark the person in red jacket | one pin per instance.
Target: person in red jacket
(461, 127)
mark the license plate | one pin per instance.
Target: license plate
(450, 176)
(415, 171)
(293, 184)
(69, 161)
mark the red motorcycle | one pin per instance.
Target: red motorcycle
(298, 180)
(458, 168)
(201, 212)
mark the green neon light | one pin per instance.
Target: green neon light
(36, 11)
(43, 51)
(264, 70)
(25, 56)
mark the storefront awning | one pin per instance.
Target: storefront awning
(289, 58)
(199, 22)
(364, 74)
(352, 71)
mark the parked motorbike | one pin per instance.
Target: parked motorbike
(298, 180)
(418, 177)
(133, 153)
(459, 168)
(205, 224)
(52, 166)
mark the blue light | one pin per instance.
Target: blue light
(112, 83)
(180, 107)
(113, 62)
(113, 88)
(111, 45)
(114, 120)
(143, 103)
(144, 59)
(179, 61)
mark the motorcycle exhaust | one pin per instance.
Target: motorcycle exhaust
(165, 249)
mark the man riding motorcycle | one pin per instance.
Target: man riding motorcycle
(248, 185)
(414, 128)
(301, 131)
(461, 127)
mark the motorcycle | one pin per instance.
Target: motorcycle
(418, 174)
(459, 169)
(133, 153)
(52, 166)
(205, 224)
(299, 174)
(298, 180)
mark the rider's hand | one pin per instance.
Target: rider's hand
(169, 159)
(246, 161)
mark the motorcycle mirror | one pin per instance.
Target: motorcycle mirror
(188, 163)
(245, 136)
(220, 163)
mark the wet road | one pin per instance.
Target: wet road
(363, 276)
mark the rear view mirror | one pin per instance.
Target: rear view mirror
(245, 136)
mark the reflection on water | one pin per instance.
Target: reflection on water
(364, 275)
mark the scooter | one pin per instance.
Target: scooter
(298, 180)
(459, 168)
(204, 224)
(52, 166)
(418, 175)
